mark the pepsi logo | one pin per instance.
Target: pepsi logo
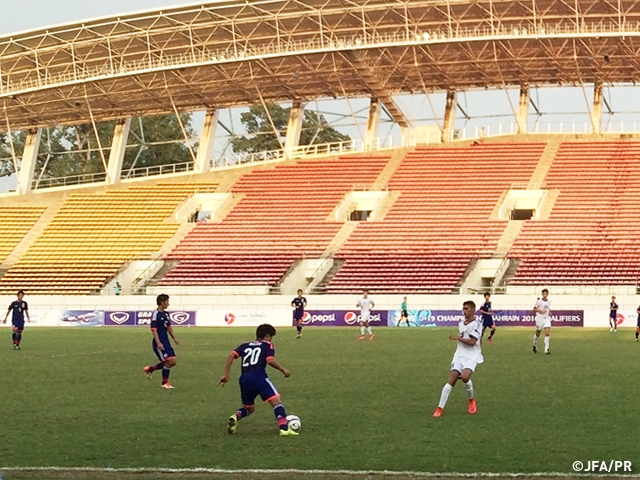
(229, 318)
(350, 318)
(619, 319)
(179, 317)
(306, 318)
(119, 317)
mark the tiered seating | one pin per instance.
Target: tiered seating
(440, 221)
(93, 235)
(284, 215)
(15, 222)
(590, 237)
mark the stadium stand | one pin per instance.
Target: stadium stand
(15, 222)
(93, 234)
(440, 222)
(589, 238)
(283, 216)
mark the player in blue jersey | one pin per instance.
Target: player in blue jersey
(18, 310)
(299, 304)
(613, 315)
(487, 317)
(638, 323)
(254, 381)
(162, 330)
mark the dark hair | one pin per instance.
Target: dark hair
(163, 297)
(469, 303)
(545, 290)
(264, 330)
(20, 292)
(299, 290)
(487, 294)
(365, 290)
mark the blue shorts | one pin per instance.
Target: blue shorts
(18, 326)
(165, 354)
(487, 323)
(252, 386)
(297, 315)
(613, 315)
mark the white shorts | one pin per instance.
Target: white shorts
(463, 363)
(542, 323)
(364, 316)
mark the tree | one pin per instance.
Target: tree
(261, 136)
(75, 150)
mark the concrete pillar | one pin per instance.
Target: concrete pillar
(296, 117)
(373, 124)
(449, 117)
(596, 112)
(28, 163)
(523, 110)
(205, 148)
(118, 149)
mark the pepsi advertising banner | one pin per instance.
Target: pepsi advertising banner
(133, 318)
(501, 318)
(342, 318)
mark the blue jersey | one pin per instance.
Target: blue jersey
(254, 357)
(160, 322)
(299, 303)
(18, 308)
(613, 309)
(486, 307)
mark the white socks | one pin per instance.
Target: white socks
(369, 330)
(469, 387)
(546, 343)
(444, 396)
(535, 340)
(362, 330)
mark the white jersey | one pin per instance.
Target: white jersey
(365, 305)
(471, 330)
(543, 305)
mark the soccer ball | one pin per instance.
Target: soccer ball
(293, 422)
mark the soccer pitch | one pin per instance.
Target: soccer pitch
(78, 398)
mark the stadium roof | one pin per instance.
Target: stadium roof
(231, 53)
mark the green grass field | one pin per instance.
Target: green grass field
(78, 398)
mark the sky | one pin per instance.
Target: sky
(20, 15)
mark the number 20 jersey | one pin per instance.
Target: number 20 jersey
(254, 356)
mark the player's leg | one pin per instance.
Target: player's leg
(299, 327)
(493, 332)
(361, 330)
(248, 394)
(637, 332)
(270, 394)
(17, 336)
(535, 338)
(611, 323)
(547, 330)
(469, 367)
(371, 335)
(456, 368)
(149, 369)
(169, 363)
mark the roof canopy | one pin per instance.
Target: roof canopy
(232, 53)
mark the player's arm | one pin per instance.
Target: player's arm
(274, 363)
(638, 311)
(305, 303)
(26, 310)
(467, 341)
(373, 304)
(157, 338)
(293, 304)
(170, 331)
(227, 368)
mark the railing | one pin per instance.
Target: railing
(411, 34)
(69, 180)
(159, 170)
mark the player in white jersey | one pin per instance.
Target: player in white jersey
(467, 357)
(542, 309)
(366, 305)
